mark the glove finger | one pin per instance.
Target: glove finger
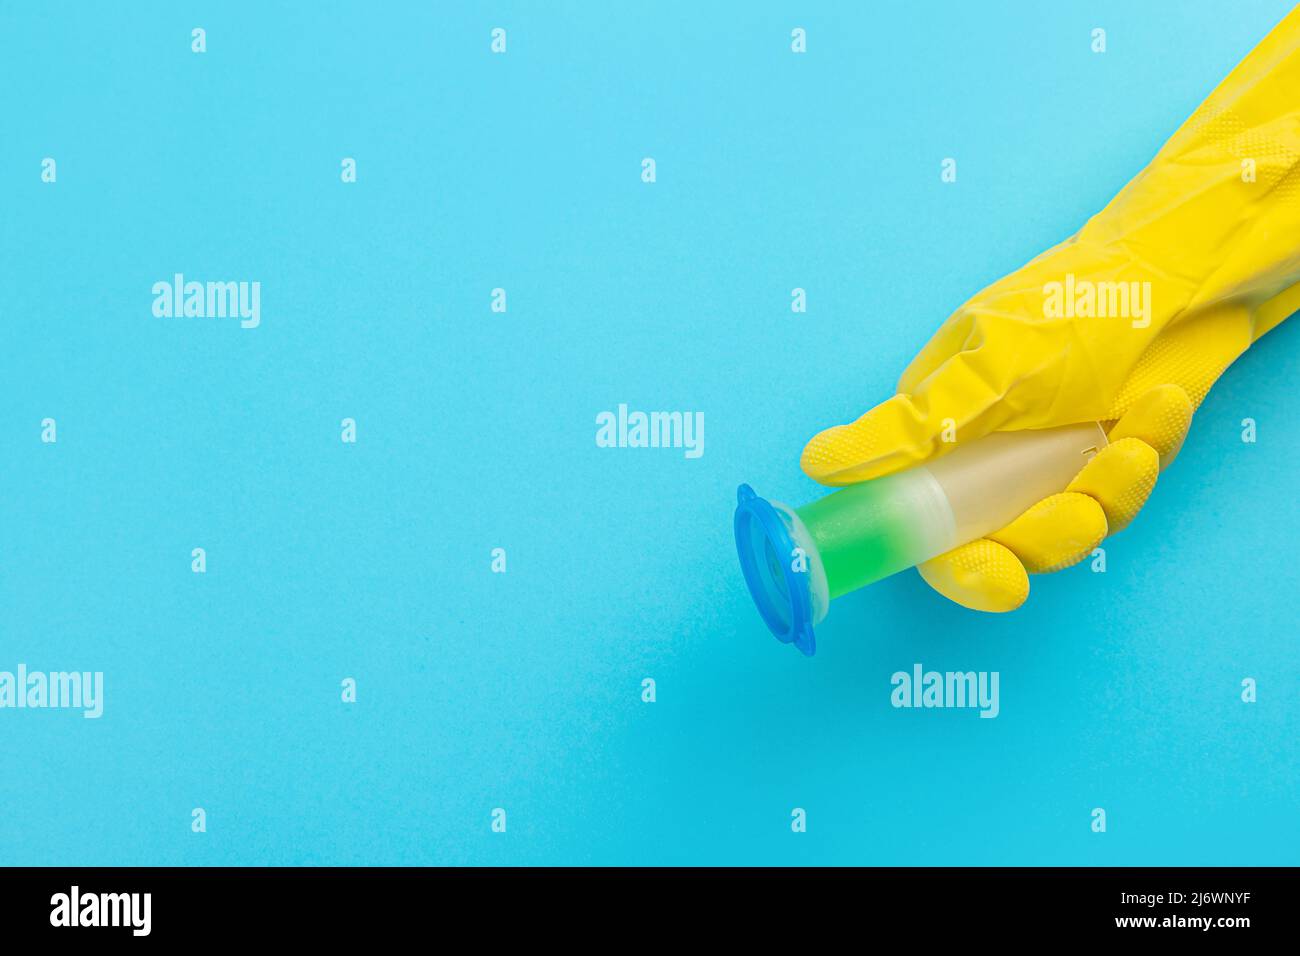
(1055, 533)
(1282, 306)
(1120, 477)
(991, 574)
(1160, 417)
(960, 398)
(1191, 353)
(981, 575)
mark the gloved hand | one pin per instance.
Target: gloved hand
(1128, 322)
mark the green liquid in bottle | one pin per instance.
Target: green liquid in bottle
(868, 531)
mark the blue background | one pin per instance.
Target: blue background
(476, 430)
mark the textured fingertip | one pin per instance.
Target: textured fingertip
(1120, 477)
(982, 575)
(1161, 418)
(886, 439)
(826, 456)
(1055, 533)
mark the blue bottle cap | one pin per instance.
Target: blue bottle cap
(766, 547)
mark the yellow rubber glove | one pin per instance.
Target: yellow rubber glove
(1128, 322)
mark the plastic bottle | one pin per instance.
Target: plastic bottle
(797, 560)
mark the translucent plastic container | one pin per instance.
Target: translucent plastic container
(796, 560)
